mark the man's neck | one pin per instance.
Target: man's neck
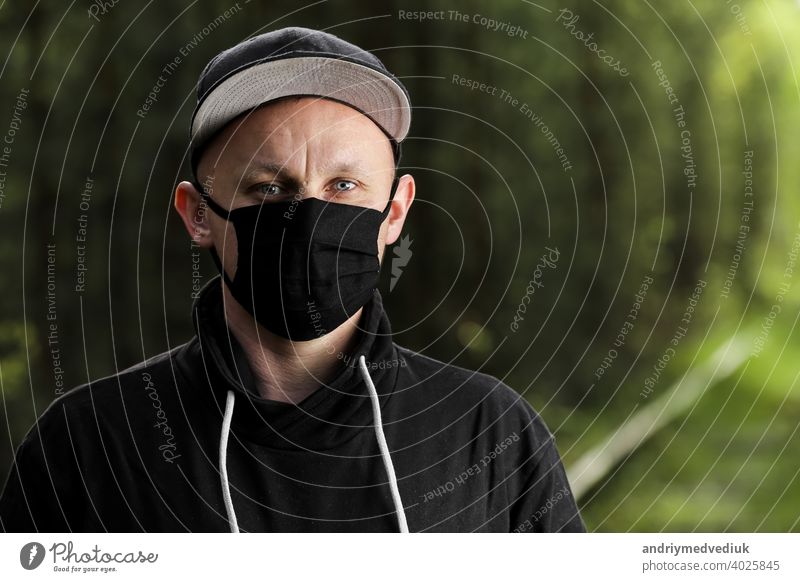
(288, 371)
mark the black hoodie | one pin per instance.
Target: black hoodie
(141, 450)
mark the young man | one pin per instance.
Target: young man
(292, 409)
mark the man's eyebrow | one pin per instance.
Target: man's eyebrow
(343, 167)
(258, 168)
(346, 167)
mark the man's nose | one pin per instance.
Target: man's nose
(311, 189)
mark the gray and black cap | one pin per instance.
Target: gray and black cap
(297, 61)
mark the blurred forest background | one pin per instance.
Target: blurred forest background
(659, 336)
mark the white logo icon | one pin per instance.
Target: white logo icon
(402, 254)
(31, 555)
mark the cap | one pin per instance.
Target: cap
(296, 61)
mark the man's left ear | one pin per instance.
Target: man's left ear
(403, 197)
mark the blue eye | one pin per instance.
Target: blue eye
(269, 189)
(344, 185)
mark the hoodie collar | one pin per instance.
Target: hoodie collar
(329, 416)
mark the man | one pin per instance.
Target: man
(292, 409)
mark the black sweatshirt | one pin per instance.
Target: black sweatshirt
(140, 450)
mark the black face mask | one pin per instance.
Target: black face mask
(304, 266)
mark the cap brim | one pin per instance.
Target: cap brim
(366, 89)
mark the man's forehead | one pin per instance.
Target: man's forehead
(299, 135)
(320, 114)
(272, 138)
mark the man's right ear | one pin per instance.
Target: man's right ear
(194, 213)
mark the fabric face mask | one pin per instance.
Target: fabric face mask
(304, 266)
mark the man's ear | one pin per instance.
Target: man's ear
(194, 214)
(404, 196)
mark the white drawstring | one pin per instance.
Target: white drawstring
(223, 462)
(384, 448)
(387, 459)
